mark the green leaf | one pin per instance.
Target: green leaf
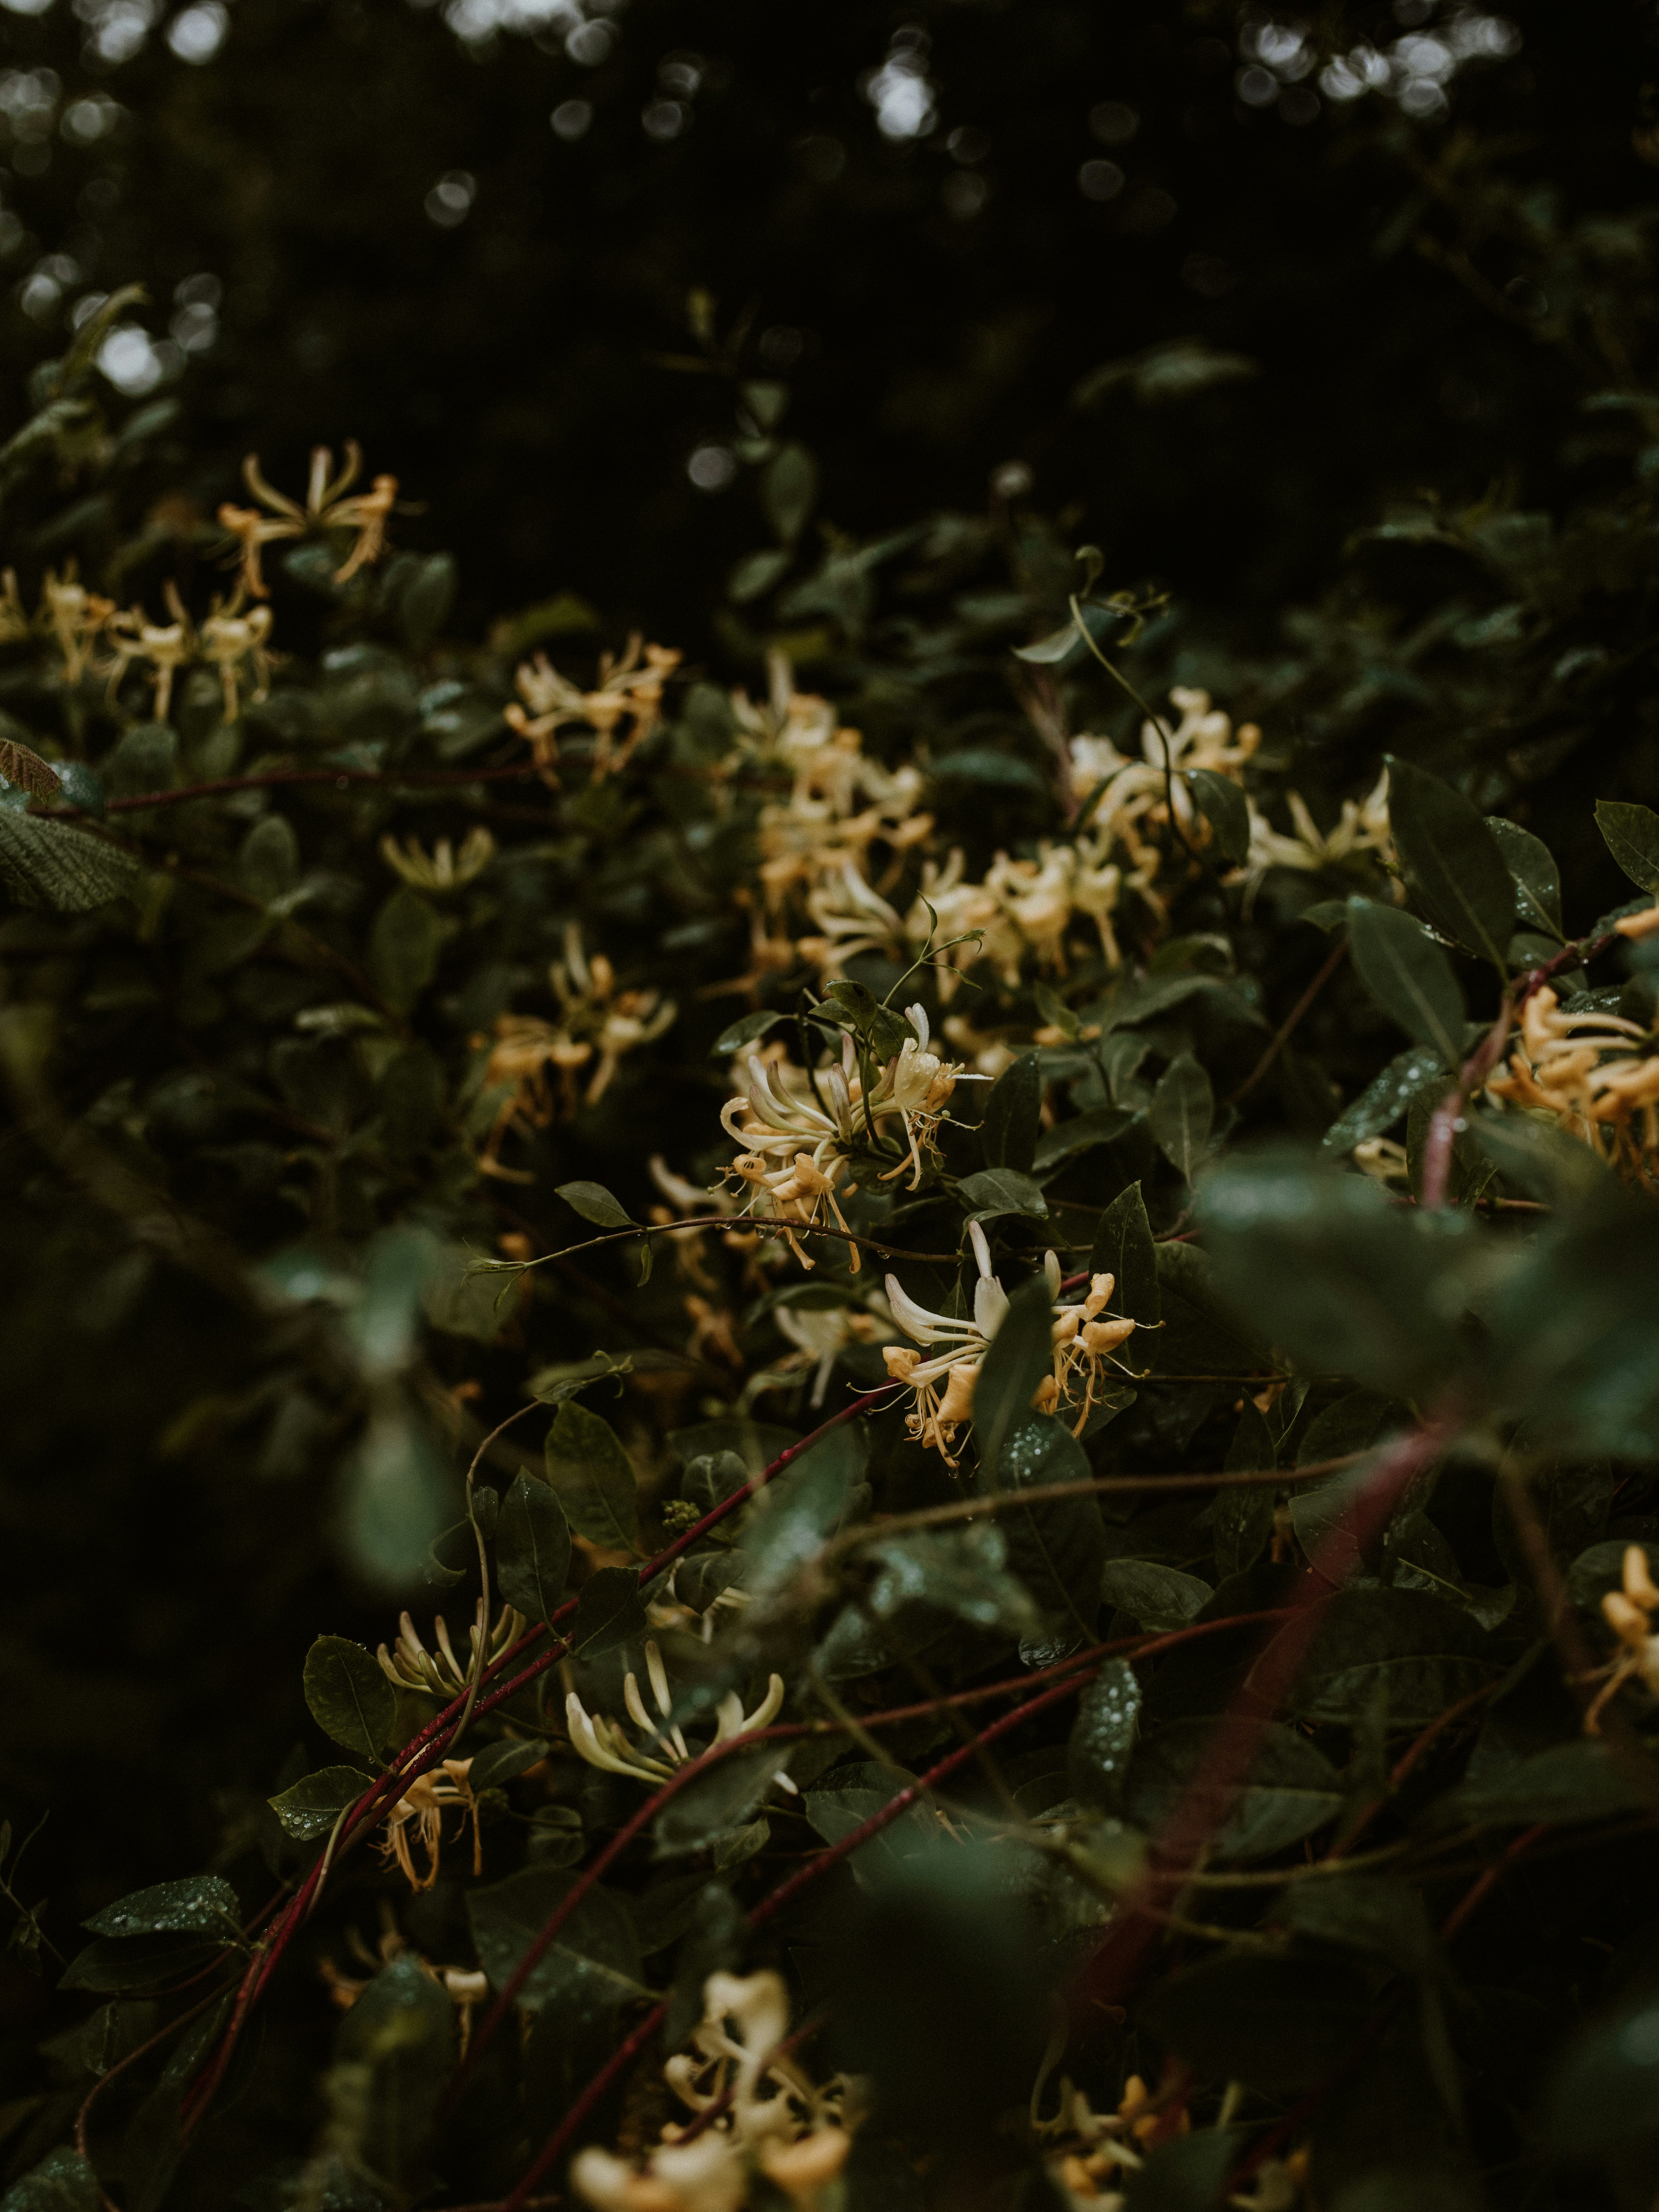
(1123, 1248)
(349, 1697)
(1242, 1519)
(719, 1803)
(1291, 1790)
(609, 1612)
(800, 1509)
(1418, 1074)
(1425, 1653)
(1383, 1915)
(1573, 1327)
(1347, 1283)
(1409, 976)
(1048, 652)
(1181, 1115)
(427, 599)
(1152, 1594)
(404, 947)
(1057, 1548)
(200, 1904)
(1104, 1734)
(789, 491)
(753, 576)
(1225, 807)
(553, 1385)
(1013, 1115)
(51, 866)
(1564, 1784)
(532, 1549)
(1020, 1354)
(137, 1964)
(399, 2039)
(749, 1030)
(63, 2181)
(1098, 1125)
(1537, 878)
(1455, 866)
(595, 1203)
(1632, 833)
(996, 1191)
(594, 1957)
(310, 1806)
(1276, 2025)
(593, 1479)
(500, 1762)
(268, 862)
(960, 1572)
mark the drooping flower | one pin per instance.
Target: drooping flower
(420, 1811)
(327, 506)
(627, 698)
(1580, 1068)
(605, 1743)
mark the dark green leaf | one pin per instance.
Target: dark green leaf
(498, 1763)
(60, 869)
(1123, 1248)
(1099, 1125)
(1188, 2173)
(1104, 1734)
(789, 491)
(724, 1799)
(1632, 837)
(961, 1571)
(1242, 1520)
(593, 1479)
(1383, 1914)
(594, 1203)
(63, 2181)
(1563, 1784)
(403, 948)
(1418, 1074)
(1603, 2092)
(748, 1030)
(1292, 1791)
(1537, 878)
(135, 1964)
(1181, 1115)
(1409, 976)
(1013, 1115)
(1153, 1596)
(1427, 1653)
(1021, 1353)
(350, 1699)
(310, 1807)
(1225, 807)
(1456, 870)
(608, 1612)
(996, 1191)
(532, 1549)
(1345, 1281)
(594, 1954)
(400, 2036)
(1057, 1548)
(200, 1904)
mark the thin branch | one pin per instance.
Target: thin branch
(1281, 1036)
(343, 778)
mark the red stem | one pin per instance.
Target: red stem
(1232, 1750)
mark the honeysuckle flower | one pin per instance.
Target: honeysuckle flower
(1629, 1612)
(605, 1743)
(1362, 827)
(1637, 926)
(968, 922)
(234, 642)
(851, 919)
(820, 1335)
(628, 691)
(74, 618)
(443, 869)
(1083, 1337)
(410, 1666)
(466, 1987)
(326, 507)
(421, 1810)
(1580, 1068)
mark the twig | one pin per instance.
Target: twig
(1281, 1036)
(342, 777)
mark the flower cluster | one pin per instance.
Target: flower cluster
(1581, 1069)
(759, 2121)
(626, 699)
(329, 507)
(1084, 1336)
(94, 636)
(599, 1026)
(1629, 1612)
(410, 1666)
(605, 1743)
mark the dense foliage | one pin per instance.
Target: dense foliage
(984, 1228)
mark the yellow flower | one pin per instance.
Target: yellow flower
(605, 1743)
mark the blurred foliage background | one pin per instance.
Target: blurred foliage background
(829, 330)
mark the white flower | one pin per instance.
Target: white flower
(604, 1743)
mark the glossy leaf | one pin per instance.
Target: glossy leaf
(309, 1807)
(1631, 834)
(609, 1612)
(200, 1904)
(1537, 877)
(1057, 1546)
(1123, 1247)
(595, 1203)
(1453, 861)
(594, 1954)
(1415, 1075)
(1020, 1355)
(1424, 1653)
(1182, 1114)
(1225, 807)
(1013, 1109)
(1409, 976)
(1104, 1734)
(996, 1191)
(1154, 1596)
(350, 1698)
(532, 1549)
(593, 1479)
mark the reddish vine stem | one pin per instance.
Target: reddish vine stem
(149, 801)
(1136, 1930)
(769, 1906)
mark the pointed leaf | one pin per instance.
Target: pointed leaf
(1225, 807)
(1537, 878)
(1013, 1115)
(1021, 1353)
(1632, 837)
(1460, 875)
(1181, 1115)
(1123, 1247)
(350, 1699)
(1409, 976)
(532, 1549)
(608, 1612)
(595, 1203)
(593, 1479)
(312, 1806)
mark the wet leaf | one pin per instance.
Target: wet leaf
(593, 1479)
(350, 1698)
